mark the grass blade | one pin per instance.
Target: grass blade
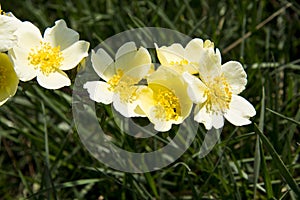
(257, 156)
(280, 165)
(266, 175)
(284, 117)
(152, 184)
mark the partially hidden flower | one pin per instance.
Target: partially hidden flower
(8, 26)
(45, 57)
(183, 59)
(216, 92)
(120, 78)
(8, 79)
(165, 101)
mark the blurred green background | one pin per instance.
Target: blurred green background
(42, 157)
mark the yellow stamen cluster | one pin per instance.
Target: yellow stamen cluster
(218, 95)
(124, 86)
(182, 62)
(181, 65)
(168, 106)
(127, 89)
(113, 82)
(46, 58)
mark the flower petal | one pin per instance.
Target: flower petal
(10, 80)
(29, 36)
(136, 73)
(54, 80)
(159, 124)
(61, 35)
(74, 54)
(209, 65)
(99, 92)
(217, 120)
(24, 70)
(195, 89)
(235, 76)
(127, 109)
(240, 110)
(202, 116)
(145, 98)
(8, 25)
(208, 118)
(193, 49)
(3, 101)
(103, 64)
(126, 48)
(171, 54)
(133, 59)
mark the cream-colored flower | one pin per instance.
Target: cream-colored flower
(121, 77)
(165, 101)
(184, 59)
(46, 57)
(216, 94)
(8, 25)
(8, 79)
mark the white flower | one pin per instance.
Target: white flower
(183, 59)
(8, 79)
(165, 101)
(120, 77)
(8, 25)
(216, 94)
(46, 57)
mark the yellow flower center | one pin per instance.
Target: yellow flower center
(113, 82)
(123, 85)
(218, 95)
(167, 105)
(46, 58)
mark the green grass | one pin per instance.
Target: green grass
(42, 157)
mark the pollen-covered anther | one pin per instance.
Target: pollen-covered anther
(168, 105)
(113, 82)
(124, 86)
(46, 58)
(218, 95)
(181, 62)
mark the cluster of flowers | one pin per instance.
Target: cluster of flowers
(30, 55)
(186, 76)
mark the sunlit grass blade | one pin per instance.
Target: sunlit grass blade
(68, 184)
(284, 117)
(279, 163)
(152, 184)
